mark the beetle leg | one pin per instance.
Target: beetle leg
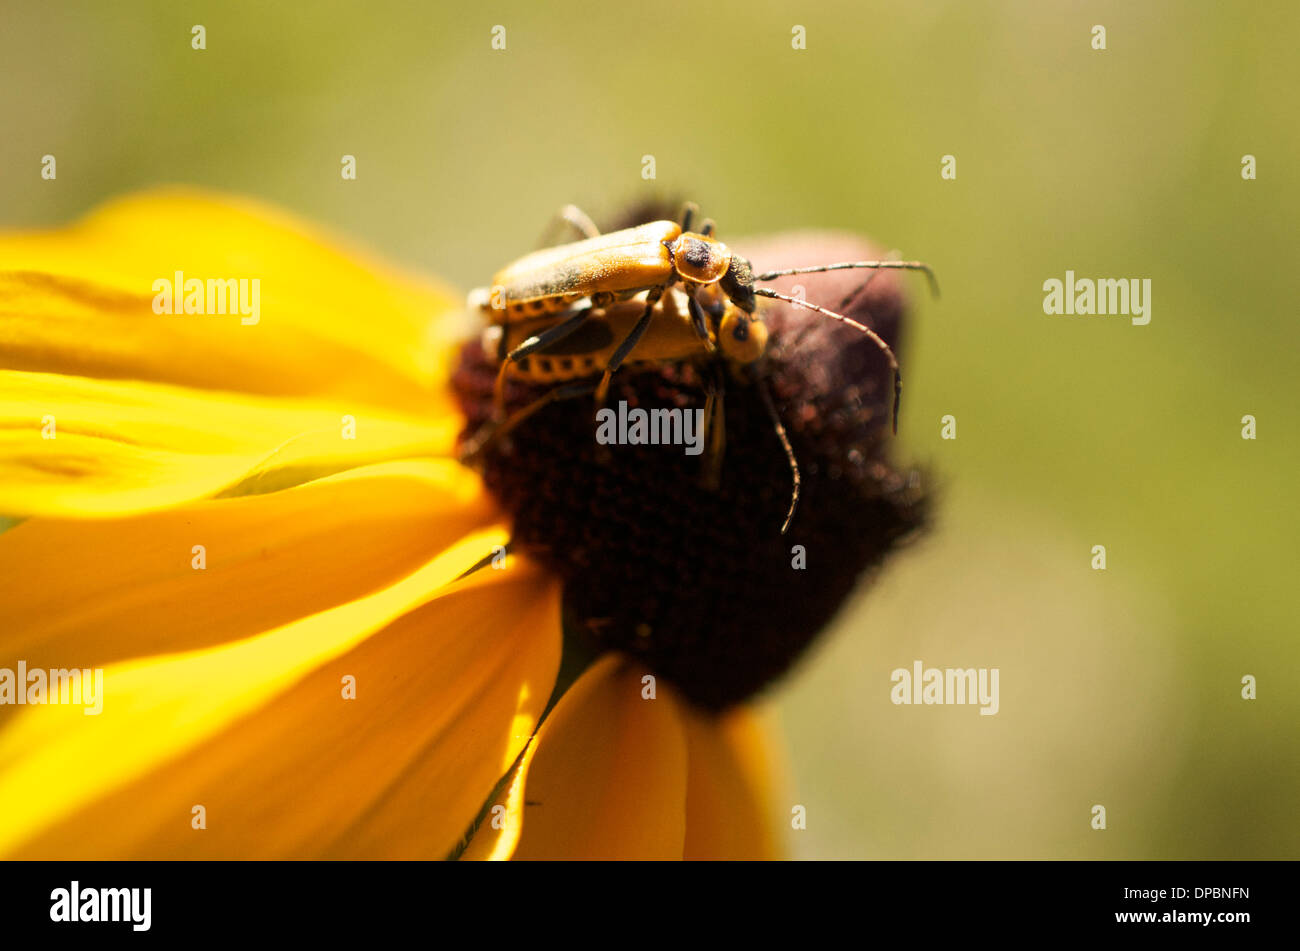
(698, 322)
(631, 340)
(492, 431)
(575, 218)
(502, 353)
(689, 211)
(795, 481)
(715, 418)
(534, 343)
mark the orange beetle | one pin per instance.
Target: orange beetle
(571, 281)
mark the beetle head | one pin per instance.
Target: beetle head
(738, 283)
(742, 338)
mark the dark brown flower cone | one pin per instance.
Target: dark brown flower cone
(700, 584)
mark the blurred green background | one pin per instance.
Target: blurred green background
(1119, 688)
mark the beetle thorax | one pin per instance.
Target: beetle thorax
(698, 259)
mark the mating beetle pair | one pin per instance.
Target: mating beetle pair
(540, 312)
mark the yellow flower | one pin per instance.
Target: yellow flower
(257, 529)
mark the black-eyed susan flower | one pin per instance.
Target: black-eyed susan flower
(311, 638)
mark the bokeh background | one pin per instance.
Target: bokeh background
(1120, 688)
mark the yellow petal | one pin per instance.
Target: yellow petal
(450, 677)
(608, 779)
(330, 321)
(729, 813)
(72, 446)
(88, 593)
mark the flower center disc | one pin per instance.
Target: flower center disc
(699, 584)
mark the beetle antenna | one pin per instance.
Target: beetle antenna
(900, 265)
(879, 340)
(789, 450)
